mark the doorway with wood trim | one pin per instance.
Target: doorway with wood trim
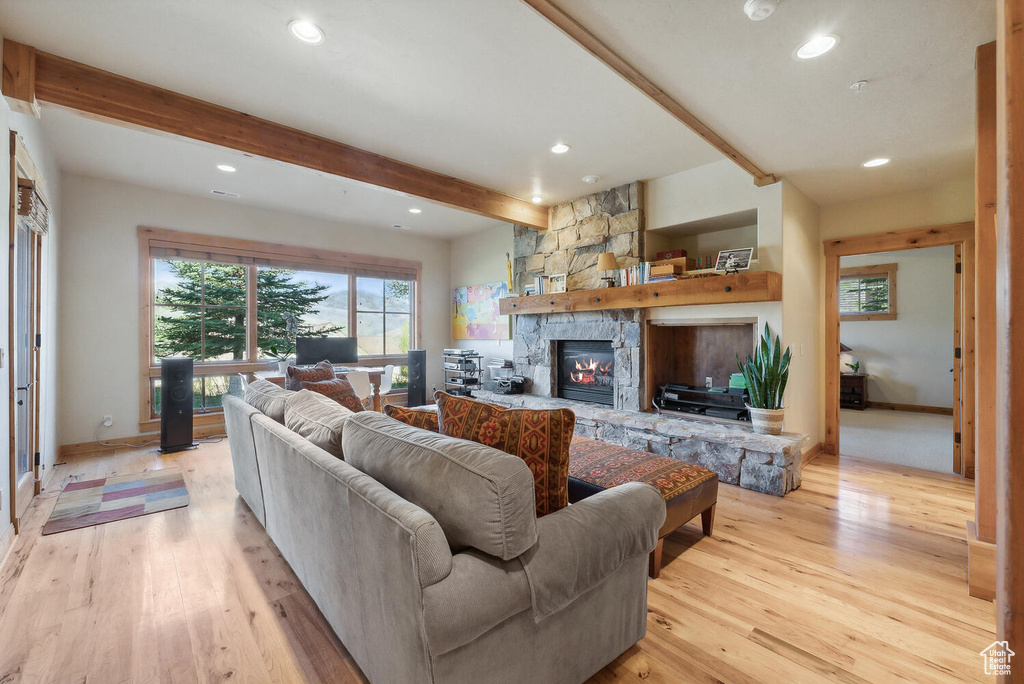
(961, 238)
(29, 219)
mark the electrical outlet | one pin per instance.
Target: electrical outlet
(709, 382)
(108, 421)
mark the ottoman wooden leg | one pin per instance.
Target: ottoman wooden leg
(654, 560)
(707, 520)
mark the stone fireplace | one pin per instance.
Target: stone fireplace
(606, 365)
(538, 338)
(585, 371)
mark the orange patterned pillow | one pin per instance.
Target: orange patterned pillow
(339, 390)
(296, 375)
(425, 419)
(539, 437)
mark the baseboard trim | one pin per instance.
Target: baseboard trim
(115, 443)
(981, 565)
(6, 543)
(912, 408)
(812, 453)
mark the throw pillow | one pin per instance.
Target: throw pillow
(540, 437)
(318, 419)
(339, 390)
(296, 375)
(425, 419)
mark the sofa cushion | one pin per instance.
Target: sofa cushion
(540, 437)
(338, 390)
(318, 419)
(268, 398)
(481, 497)
(296, 375)
(424, 419)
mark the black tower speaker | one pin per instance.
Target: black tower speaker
(176, 409)
(417, 377)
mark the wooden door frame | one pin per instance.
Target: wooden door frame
(961, 234)
(21, 165)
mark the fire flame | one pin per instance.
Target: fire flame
(589, 370)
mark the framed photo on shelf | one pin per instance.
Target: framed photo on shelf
(557, 283)
(733, 260)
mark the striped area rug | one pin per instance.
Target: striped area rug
(94, 502)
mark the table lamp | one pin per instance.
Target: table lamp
(606, 262)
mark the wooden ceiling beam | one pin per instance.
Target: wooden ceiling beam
(595, 46)
(19, 78)
(53, 80)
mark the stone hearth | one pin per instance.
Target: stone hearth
(764, 463)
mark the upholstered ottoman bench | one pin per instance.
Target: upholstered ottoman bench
(687, 489)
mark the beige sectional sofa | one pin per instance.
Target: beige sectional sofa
(424, 552)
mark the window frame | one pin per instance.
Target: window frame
(874, 271)
(155, 243)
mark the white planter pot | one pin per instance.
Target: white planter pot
(767, 421)
(282, 366)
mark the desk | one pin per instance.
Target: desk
(277, 377)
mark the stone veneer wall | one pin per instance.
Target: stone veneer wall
(608, 221)
(535, 355)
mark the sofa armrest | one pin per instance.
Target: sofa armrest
(579, 546)
(480, 592)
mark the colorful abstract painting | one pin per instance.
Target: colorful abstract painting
(475, 313)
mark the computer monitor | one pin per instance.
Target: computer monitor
(310, 350)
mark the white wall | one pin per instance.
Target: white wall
(951, 202)
(477, 259)
(908, 359)
(100, 285)
(801, 306)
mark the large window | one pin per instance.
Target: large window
(234, 306)
(868, 293)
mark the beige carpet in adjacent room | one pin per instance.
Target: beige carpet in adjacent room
(918, 440)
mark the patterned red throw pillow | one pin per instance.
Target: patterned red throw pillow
(339, 390)
(540, 437)
(296, 375)
(425, 419)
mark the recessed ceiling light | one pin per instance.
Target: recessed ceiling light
(226, 168)
(871, 163)
(759, 10)
(536, 199)
(560, 148)
(415, 210)
(591, 179)
(306, 31)
(816, 47)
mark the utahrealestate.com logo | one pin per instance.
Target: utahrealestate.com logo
(997, 658)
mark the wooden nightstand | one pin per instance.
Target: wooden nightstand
(853, 391)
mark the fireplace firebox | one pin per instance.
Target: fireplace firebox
(586, 371)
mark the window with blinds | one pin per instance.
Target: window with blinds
(868, 292)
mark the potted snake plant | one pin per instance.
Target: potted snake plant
(766, 375)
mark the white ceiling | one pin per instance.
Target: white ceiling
(481, 90)
(95, 148)
(799, 119)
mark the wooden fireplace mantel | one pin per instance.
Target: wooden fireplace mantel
(751, 286)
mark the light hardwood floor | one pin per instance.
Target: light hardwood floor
(859, 576)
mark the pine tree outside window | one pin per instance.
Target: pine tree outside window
(227, 303)
(868, 293)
